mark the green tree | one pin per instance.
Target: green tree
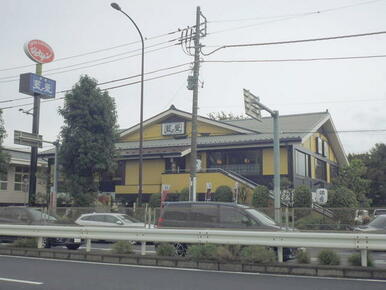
(344, 200)
(376, 173)
(4, 157)
(302, 196)
(88, 137)
(353, 177)
(260, 197)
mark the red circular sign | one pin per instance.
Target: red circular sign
(39, 51)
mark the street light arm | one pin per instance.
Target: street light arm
(132, 21)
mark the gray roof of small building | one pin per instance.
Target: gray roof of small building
(297, 124)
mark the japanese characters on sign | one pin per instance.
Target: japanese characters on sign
(173, 128)
(32, 84)
(39, 51)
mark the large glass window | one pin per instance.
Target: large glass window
(248, 162)
(320, 169)
(3, 181)
(21, 178)
(302, 163)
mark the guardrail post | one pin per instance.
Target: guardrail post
(364, 258)
(280, 254)
(143, 248)
(88, 245)
(40, 242)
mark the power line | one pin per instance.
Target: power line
(296, 41)
(105, 89)
(16, 78)
(297, 14)
(95, 51)
(111, 81)
(297, 59)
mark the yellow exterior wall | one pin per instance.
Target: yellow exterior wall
(268, 162)
(310, 144)
(152, 171)
(178, 182)
(153, 132)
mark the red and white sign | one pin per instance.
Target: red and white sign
(39, 51)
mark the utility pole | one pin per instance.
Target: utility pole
(187, 36)
(34, 150)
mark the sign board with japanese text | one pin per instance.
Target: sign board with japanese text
(32, 84)
(28, 139)
(173, 128)
(39, 51)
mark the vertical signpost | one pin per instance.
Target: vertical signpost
(252, 109)
(33, 84)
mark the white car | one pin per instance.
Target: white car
(108, 220)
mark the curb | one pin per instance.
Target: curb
(180, 262)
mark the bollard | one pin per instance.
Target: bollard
(88, 245)
(364, 258)
(40, 242)
(280, 254)
(143, 248)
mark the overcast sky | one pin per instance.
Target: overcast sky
(353, 91)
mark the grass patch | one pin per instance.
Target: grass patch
(328, 257)
(166, 250)
(122, 247)
(355, 260)
(25, 243)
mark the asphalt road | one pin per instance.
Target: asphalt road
(38, 274)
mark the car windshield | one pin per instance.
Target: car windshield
(380, 211)
(379, 222)
(261, 217)
(128, 219)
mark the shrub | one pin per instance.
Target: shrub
(302, 196)
(166, 250)
(328, 257)
(183, 194)
(202, 252)
(25, 243)
(257, 254)
(303, 258)
(122, 247)
(315, 221)
(355, 260)
(223, 254)
(155, 200)
(223, 193)
(261, 196)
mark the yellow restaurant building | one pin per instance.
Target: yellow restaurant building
(232, 152)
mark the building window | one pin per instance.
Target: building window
(3, 181)
(246, 162)
(325, 148)
(302, 164)
(21, 178)
(334, 171)
(320, 169)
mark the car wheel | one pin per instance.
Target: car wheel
(180, 249)
(73, 246)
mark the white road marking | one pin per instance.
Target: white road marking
(21, 281)
(199, 270)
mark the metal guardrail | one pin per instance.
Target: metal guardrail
(279, 239)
